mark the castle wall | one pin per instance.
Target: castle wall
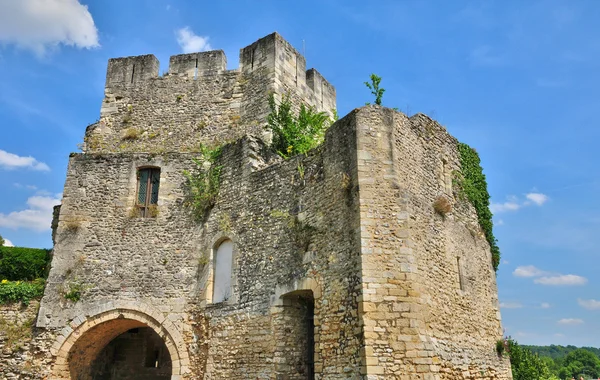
(417, 320)
(251, 335)
(291, 222)
(198, 100)
(343, 241)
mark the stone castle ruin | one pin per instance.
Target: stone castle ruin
(330, 265)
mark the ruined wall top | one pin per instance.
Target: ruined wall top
(198, 99)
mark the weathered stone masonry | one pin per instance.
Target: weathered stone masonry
(341, 267)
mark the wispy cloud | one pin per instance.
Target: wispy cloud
(503, 207)
(41, 25)
(510, 305)
(528, 271)
(13, 161)
(548, 278)
(570, 321)
(590, 304)
(537, 198)
(485, 55)
(545, 305)
(562, 279)
(513, 203)
(37, 216)
(190, 42)
(21, 186)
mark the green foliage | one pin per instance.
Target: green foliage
(24, 264)
(374, 87)
(20, 291)
(500, 347)
(525, 364)
(1, 241)
(74, 291)
(560, 352)
(472, 183)
(204, 181)
(566, 362)
(293, 134)
(580, 362)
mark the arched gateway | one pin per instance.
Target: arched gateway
(121, 343)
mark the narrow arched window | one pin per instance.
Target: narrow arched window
(223, 271)
(147, 191)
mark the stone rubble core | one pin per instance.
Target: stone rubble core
(340, 266)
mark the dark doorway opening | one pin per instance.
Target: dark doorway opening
(137, 354)
(295, 334)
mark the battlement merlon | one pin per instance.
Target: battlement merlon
(194, 64)
(276, 61)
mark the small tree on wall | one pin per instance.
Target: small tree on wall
(375, 89)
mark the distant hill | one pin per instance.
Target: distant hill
(559, 352)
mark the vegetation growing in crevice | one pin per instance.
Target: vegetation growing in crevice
(295, 134)
(204, 181)
(16, 334)
(74, 291)
(301, 231)
(375, 89)
(472, 184)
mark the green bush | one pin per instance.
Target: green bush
(525, 364)
(20, 291)
(295, 134)
(23, 264)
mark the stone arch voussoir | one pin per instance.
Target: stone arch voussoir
(113, 319)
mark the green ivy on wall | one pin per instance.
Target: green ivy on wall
(204, 181)
(474, 186)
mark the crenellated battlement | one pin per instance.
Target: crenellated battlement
(198, 99)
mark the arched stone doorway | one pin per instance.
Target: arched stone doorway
(120, 344)
(293, 311)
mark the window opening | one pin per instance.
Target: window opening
(147, 197)
(196, 70)
(132, 73)
(222, 273)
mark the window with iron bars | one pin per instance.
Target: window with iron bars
(147, 191)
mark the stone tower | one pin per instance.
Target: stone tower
(332, 265)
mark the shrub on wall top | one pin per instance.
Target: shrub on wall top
(23, 264)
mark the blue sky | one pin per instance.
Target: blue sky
(516, 80)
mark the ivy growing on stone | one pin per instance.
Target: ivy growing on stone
(472, 183)
(295, 134)
(204, 181)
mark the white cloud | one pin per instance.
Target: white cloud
(589, 304)
(545, 305)
(510, 305)
(537, 198)
(506, 206)
(12, 161)
(561, 279)
(8, 243)
(513, 203)
(37, 216)
(500, 222)
(570, 321)
(528, 271)
(190, 42)
(41, 24)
